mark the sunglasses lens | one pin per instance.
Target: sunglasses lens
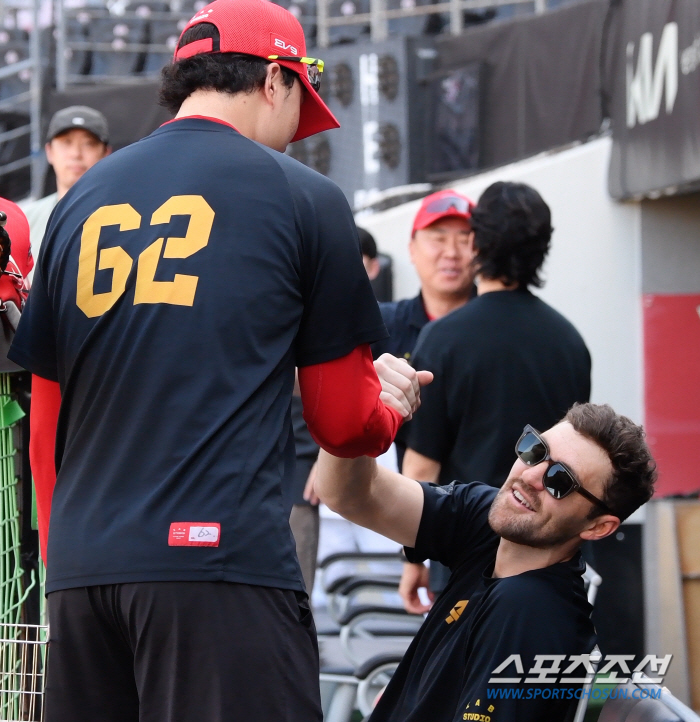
(315, 77)
(530, 449)
(558, 482)
(440, 205)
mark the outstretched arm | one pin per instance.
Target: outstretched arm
(365, 493)
(370, 495)
(416, 576)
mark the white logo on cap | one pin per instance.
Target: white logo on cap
(201, 15)
(279, 43)
(78, 121)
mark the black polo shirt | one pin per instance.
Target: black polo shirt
(479, 621)
(180, 282)
(404, 321)
(504, 360)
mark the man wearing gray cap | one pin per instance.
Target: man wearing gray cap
(78, 137)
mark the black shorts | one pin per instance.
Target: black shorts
(181, 652)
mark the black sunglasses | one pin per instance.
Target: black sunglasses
(314, 68)
(558, 480)
(440, 205)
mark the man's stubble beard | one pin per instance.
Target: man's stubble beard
(524, 529)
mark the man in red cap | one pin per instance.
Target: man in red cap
(182, 279)
(441, 251)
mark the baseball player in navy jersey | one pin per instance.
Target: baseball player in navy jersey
(180, 282)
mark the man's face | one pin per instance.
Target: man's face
(72, 153)
(442, 254)
(537, 519)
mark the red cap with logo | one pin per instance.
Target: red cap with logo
(261, 28)
(17, 229)
(443, 204)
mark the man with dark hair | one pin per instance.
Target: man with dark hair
(368, 248)
(516, 590)
(181, 282)
(503, 360)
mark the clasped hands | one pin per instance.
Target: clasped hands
(401, 384)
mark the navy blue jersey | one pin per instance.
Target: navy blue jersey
(181, 280)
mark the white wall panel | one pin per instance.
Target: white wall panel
(593, 270)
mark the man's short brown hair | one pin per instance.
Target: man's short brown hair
(634, 469)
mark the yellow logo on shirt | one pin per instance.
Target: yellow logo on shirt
(477, 716)
(457, 611)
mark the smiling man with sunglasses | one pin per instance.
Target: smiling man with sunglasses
(516, 585)
(505, 359)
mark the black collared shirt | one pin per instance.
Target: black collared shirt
(479, 621)
(504, 360)
(404, 321)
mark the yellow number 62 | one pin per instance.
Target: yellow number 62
(180, 291)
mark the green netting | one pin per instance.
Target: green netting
(22, 647)
(12, 593)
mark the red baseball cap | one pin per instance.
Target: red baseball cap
(17, 229)
(261, 28)
(443, 204)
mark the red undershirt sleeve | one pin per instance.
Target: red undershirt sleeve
(46, 403)
(342, 407)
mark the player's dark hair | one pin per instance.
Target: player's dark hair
(634, 469)
(512, 229)
(224, 72)
(368, 245)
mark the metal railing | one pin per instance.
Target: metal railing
(378, 16)
(377, 19)
(31, 99)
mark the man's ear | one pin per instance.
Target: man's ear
(273, 83)
(600, 527)
(49, 153)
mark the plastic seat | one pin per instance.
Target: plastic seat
(8, 35)
(664, 707)
(346, 687)
(119, 34)
(13, 52)
(78, 61)
(162, 32)
(146, 8)
(408, 25)
(347, 9)
(339, 569)
(190, 7)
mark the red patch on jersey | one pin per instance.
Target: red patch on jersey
(194, 534)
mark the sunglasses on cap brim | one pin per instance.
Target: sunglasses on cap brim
(315, 68)
(441, 205)
(558, 480)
